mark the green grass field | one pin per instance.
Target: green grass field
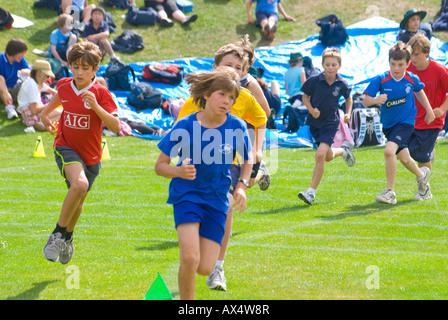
(280, 248)
(346, 246)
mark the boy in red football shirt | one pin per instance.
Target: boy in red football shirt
(77, 146)
(435, 77)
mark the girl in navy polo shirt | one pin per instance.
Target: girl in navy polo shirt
(206, 143)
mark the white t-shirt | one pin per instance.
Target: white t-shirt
(29, 93)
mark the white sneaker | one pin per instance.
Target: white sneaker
(423, 185)
(419, 197)
(11, 111)
(388, 196)
(216, 280)
(348, 154)
(53, 247)
(265, 180)
(67, 251)
(307, 197)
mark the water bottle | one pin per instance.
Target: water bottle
(21, 76)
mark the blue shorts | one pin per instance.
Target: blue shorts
(325, 134)
(263, 15)
(65, 155)
(421, 143)
(212, 221)
(400, 134)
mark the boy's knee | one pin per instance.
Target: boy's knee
(190, 260)
(80, 186)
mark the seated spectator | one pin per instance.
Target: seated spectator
(12, 61)
(97, 31)
(168, 9)
(272, 96)
(411, 25)
(294, 77)
(62, 38)
(30, 99)
(80, 9)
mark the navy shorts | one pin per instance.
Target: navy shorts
(65, 155)
(263, 15)
(421, 143)
(212, 221)
(325, 134)
(400, 134)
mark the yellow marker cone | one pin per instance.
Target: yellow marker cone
(106, 155)
(158, 290)
(39, 151)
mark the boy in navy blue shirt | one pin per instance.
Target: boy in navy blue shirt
(97, 31)
(321, 98)
(398, 111)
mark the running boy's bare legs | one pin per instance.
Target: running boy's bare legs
(197, 255)
(72, 205)
(324, 154)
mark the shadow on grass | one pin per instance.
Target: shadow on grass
(365, 209)
(284, 209)
(10, 128)
(32, 293)
(157, 245)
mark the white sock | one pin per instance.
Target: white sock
(424, 174)
(219, 263)
(311, 190)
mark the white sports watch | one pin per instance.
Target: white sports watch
(245, 182)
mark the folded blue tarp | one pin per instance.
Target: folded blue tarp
(364, 56)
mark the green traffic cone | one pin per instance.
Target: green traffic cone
(158, 290)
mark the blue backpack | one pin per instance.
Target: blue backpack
(144, 96)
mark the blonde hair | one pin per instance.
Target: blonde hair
(205, 83)
(231, 49)
(421, 43)
(332, 53)
(245, 44)
(85, 52)
(63, 18)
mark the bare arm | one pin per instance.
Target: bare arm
(163, 168)
(348, 109)
(248, 12)
(314, 112)
(44, 116)
(283, 12)
(440, 111)
(421, 96)
(110, 121)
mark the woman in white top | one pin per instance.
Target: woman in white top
(29, 97)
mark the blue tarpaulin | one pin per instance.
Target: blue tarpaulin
(364, 56)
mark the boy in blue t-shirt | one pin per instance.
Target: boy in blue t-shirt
(62, 39)
(321, 95)
(206, 142)
(397, 88)
(12, 61)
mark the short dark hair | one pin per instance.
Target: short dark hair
(15, 46)
(400, 51)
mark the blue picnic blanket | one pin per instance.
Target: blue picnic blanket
(364, 56)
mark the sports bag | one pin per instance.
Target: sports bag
(170, 73)
(366, 127)
(144, 96)
(6, 20)
(295, 116)
(343, 134)
(128, 42)
(332, 31)
(138, 16)
(117, 76)
(121, 4)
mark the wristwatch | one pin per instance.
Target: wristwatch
(245, 182)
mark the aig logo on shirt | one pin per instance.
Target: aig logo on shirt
(77, 121)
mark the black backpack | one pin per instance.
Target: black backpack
(332, 31)
(294, 118)
(138, 16)
(128, 42)
(6, 20)
(144, 96)
(117, 76)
